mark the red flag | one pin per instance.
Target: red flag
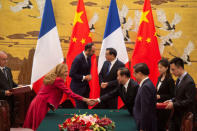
(146, 46)
(94, 83)
(80, 37)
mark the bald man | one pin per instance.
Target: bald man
(6, 83)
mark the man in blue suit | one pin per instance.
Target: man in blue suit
(144, 110)
(80, 74)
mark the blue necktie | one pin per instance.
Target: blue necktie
(108, 69)
(177, 82)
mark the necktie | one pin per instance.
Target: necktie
(108, 69)
(5, 73)
(124, 91)
(177, 82)
(86, 59)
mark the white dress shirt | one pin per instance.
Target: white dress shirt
(5, 73)
(159, 85)
(126, 85)
(143, 81)
(112, 63)
(2, 68)
(86, 58)
(181, 77)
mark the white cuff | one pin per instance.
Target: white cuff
(98, 99)
(83, 78)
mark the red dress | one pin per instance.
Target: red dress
(50, 94)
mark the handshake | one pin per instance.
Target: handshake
(90, 102)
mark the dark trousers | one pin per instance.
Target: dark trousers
(10, 101)
(81, 104)
(175, 123)
(162, 119)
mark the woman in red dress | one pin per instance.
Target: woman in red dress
(49, 96)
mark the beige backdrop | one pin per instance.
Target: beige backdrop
(21, 19)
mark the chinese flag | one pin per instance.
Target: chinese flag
(79, 38)
(146, 46)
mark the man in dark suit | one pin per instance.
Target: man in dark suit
(127, 90)
(6, 83)
(185, 92)
(108, 77)
(144, 110)
(80, 74)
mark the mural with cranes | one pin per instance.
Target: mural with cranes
(175, 23)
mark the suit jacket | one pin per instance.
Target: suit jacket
(128, 97)
(166, 90)
(53, 93)
(145, 107)
(184, 99)
(6, 84)
(110, 77)
(79, 69)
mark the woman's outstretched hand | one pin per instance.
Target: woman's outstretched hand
(90, 102)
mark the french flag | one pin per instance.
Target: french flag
(48, 51)
(113, 38)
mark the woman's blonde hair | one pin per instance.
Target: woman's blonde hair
(58, 71)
